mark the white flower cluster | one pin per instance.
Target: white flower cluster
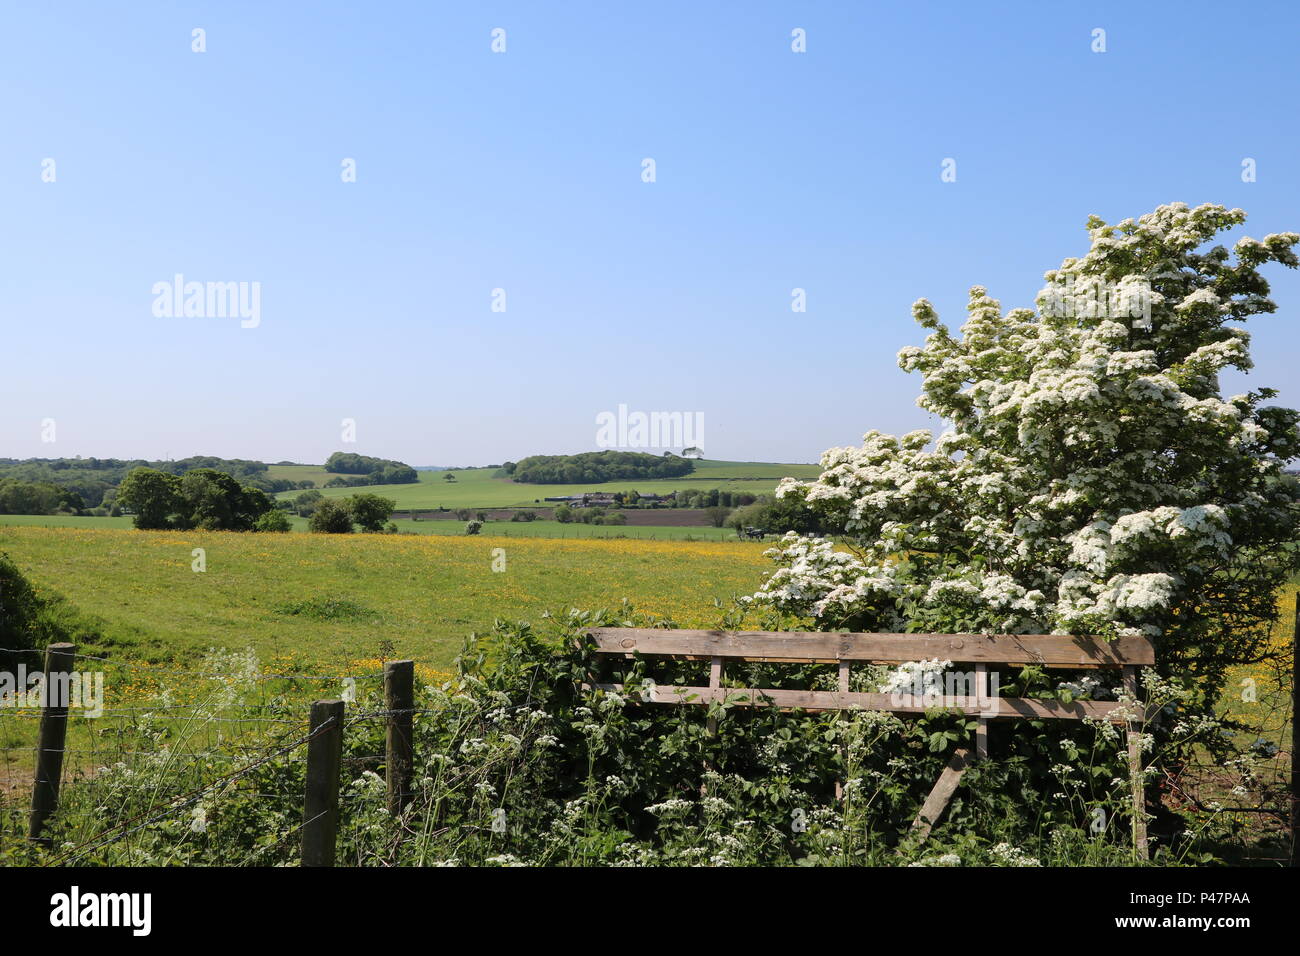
(915, 674)
(1092, 469)
(1004, 854)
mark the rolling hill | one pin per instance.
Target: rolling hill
(476, 488)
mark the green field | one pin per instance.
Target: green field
(64, 521)
(424, 593)
(316, 473)
(508, 529)
(476, 488)
(554, 529)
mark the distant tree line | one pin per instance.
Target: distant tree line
(373, 471)
(595, 466)
(713, 498)
(597, 515)
(38, 498)
(95, 480)
(688, 498)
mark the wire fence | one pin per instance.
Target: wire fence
(171, 741)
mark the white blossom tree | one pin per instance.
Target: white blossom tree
(1093, 480)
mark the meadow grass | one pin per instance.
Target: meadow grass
(423, 594)
(556, 529)
(65, 521)
(506, 529)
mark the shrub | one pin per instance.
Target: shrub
(332, 516)
(20, 613)
(274, 520)
(473, 527)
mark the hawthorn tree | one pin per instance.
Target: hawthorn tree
(1093, 480)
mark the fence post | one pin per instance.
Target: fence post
(399, 701)
(320, 813)
(1137, 780)
(53, 735)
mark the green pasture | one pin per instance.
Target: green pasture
(422, 593)
(476, 488)
(508, 529)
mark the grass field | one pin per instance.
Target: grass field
(476, 488)
(337, 604)
(64, 521)
(507, 529)
(423, 593)
(316, 473)
(554, 529)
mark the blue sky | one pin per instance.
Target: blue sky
(522, 170)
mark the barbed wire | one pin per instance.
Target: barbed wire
(106, 837)
(232, 675)
(372, 714)
(112, 711)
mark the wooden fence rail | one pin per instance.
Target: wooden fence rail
(845, 650)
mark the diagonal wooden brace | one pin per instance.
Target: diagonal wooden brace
(941, 795)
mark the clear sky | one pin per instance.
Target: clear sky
(522, 171)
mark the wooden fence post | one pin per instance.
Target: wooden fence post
(842, 672)
(1138, 779)
(53, 736)
(399, 701)
(982, 728)
(320, 813)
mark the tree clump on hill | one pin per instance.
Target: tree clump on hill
(95, 480)
(338, 515)
(373, 471)
(204, 498)
(595, 467)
